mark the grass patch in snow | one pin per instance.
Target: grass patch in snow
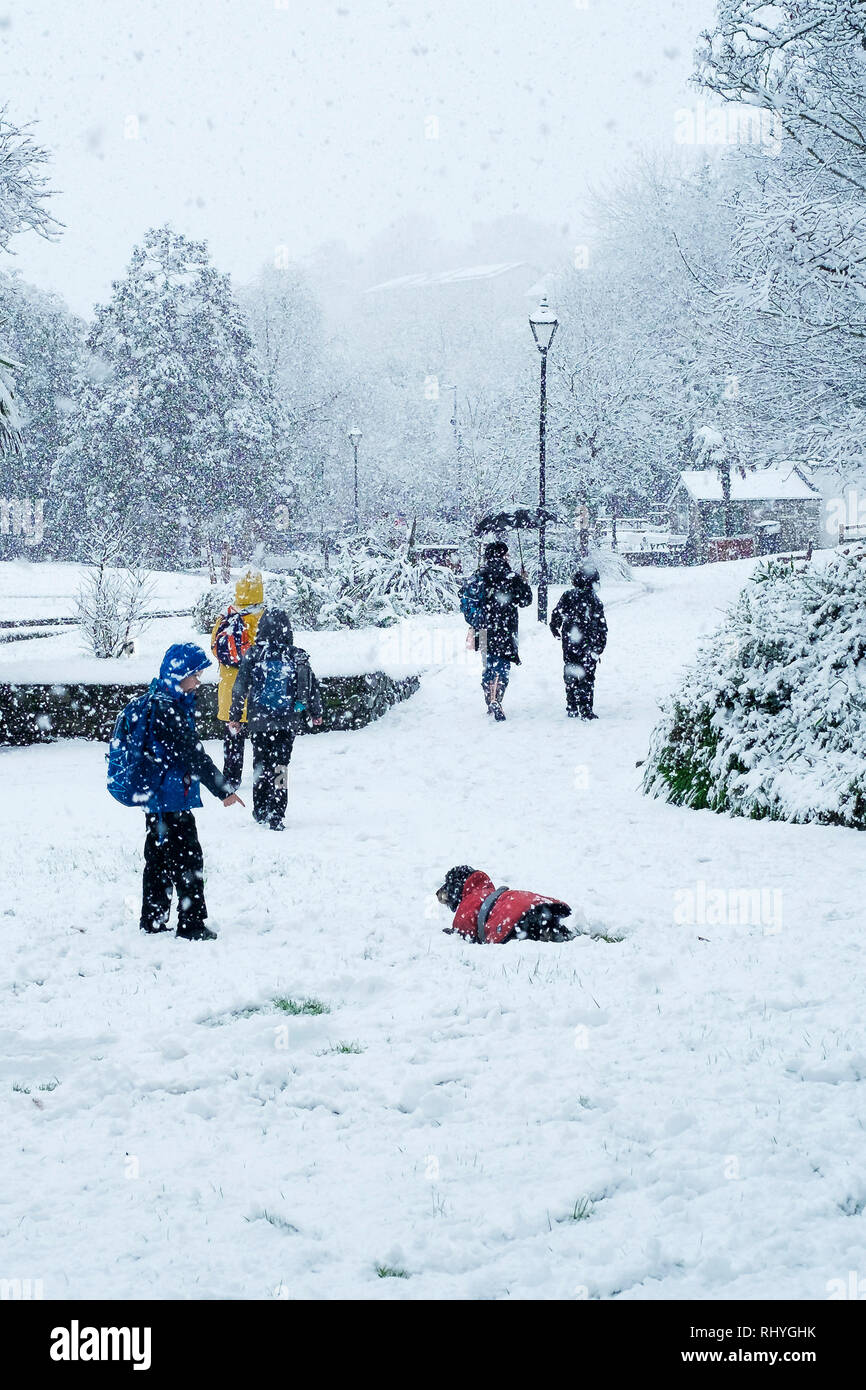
(354, 1047)
(582, 1210)
(391, 1272)
(273, 1219)
(42, 1086)
(296, 1007)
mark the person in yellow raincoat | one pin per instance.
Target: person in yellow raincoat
(249, 606)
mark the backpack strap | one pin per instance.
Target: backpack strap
(485, 910)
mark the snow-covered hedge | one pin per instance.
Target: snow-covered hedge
(42, 713)
(771, 719)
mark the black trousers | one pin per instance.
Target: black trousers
(233, 757)
(172, 859)
(496, 673)
(272, 753)
(580, 688)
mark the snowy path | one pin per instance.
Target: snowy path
(701, 1103)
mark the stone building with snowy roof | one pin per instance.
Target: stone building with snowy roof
(771, 509)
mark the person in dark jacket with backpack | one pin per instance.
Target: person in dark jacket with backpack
(277, 683)
(172, 853)
(578, 620)
(502, 593)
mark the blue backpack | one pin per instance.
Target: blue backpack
(273, 685)
(134, 773)
(472, 601)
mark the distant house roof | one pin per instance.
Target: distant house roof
(447, 277)
(760, 485)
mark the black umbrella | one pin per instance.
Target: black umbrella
(521, 519)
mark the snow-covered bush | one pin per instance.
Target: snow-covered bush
(303, 593)
(382, 584)
(369, 584)
(561, 564)
(612, 568)
(214, 600)
(771, 719)
(342, 610)
(111, 609)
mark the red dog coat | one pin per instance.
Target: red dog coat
(499, 910)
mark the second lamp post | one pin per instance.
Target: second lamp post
(354, 439)
(544, 324)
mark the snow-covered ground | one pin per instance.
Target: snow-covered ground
(675, 1114)
(59, 654)
(47, 590)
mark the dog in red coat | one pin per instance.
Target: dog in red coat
(491, 915)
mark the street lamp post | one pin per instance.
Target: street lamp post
(354, 439)
(544, 324)
(457, 456)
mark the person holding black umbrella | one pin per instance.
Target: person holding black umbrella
(500, 592)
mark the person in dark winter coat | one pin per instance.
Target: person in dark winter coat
(578, 620)
(281, 692)
(172, 853)
(504, 593)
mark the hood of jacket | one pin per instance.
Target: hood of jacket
(249, 590)
(275, 632)
(586, 576)
(497, 570)
(182, 660)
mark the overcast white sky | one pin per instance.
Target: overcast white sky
(264, 123)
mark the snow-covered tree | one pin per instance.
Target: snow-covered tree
(10, 419)
(635, 365)
(24, 188)
(42, 334)
(176, 421)
(23, 197)
(310, 394)
(793, 306)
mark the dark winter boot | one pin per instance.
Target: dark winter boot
(498, 711)
(201, 933)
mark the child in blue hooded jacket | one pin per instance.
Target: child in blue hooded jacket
(172, 853)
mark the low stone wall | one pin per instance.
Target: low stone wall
(42, 713)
